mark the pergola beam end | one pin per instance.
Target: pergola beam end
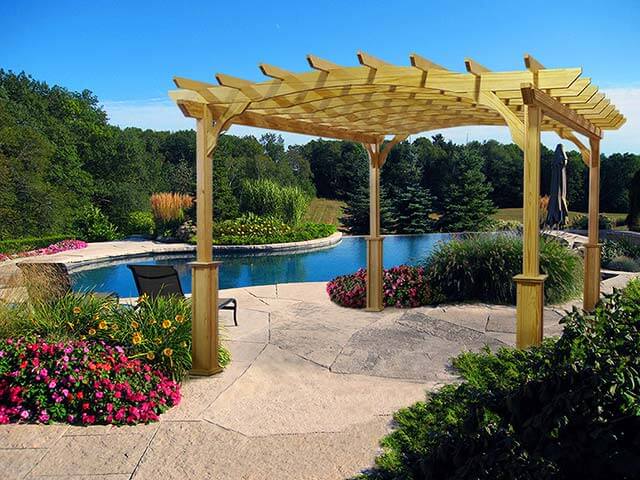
(321, 64)
(474, 67)
(551, 107)
(423, 64)
(370, 61)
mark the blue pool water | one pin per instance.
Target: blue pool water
(242, 271)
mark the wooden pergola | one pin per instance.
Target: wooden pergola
(369, 102)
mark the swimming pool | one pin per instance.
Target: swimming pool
(241, 271)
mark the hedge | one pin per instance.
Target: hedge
(30, 243)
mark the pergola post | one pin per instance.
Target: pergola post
(530, 291)
(375, 276)
(375, 300)
(204, 290)
(592, 249)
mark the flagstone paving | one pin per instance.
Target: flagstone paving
(309, 393)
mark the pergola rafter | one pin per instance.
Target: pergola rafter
(374, 100)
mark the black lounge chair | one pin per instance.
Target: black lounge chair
(163, 280)
(49, 281)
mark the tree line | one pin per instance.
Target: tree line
(59, 154)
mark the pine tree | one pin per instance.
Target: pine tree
(633, 220)
(467, 206)
(356, 213)
(412, 208)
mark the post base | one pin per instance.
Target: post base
(591, 294)
(204, 314)
(375, 282)
(530, 309)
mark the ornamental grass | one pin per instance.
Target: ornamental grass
(170, 206)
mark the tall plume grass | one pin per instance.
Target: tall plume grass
(170, 206)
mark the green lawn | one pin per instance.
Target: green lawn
(322, 210)
(516, 214)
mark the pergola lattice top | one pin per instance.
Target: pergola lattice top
(375, 99)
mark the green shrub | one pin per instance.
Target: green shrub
(564, 269)
(581, 222)
(253, 230)
(482, 267)
(499, 225)
(623, 264)
(632, 292)
(158, 330)
(141, 223)
(567, 409)
(267, 198)
(31, 243)
(620, 247)
(92, 225)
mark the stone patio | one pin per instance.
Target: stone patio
(309, 393)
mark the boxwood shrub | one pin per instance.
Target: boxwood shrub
(567, 409)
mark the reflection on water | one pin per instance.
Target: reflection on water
(241, 271)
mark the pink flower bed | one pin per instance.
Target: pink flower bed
(79, 382)
(62, 246)
(404, 286)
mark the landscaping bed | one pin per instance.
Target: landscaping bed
(33, 247)
(254, 230)
(85, 359)
(472, 268)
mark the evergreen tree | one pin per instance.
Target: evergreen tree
(356, 212)
(633, 220)
(467, 206)
(411, 209)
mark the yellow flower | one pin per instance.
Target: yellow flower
(179, 318)
(151, 356)
(96, 317)
(136, 338)
(157, 340)
(92, 331)
(184, 344)
(103, 325)
(167, 352)
(166, 323)
(135, 325)
(77, 310)
(153, 321)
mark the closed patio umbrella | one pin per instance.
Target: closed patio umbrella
(558, 213)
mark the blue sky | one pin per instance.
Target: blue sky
(127, 52)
